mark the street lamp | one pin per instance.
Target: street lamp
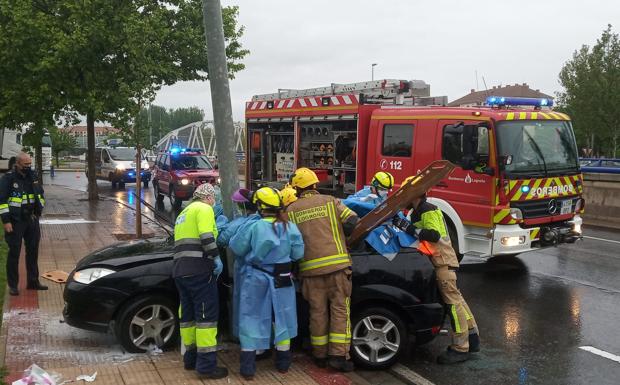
(373, 71)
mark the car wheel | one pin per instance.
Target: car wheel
(454, 239)
(147, 321)
(174, 201)
(379, 337)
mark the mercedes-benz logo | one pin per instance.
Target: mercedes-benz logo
(552, 206)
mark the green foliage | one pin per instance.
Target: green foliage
(591, 96)
(61, 141)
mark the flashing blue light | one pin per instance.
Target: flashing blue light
(525, 189)
(175, 150)
(512, 101)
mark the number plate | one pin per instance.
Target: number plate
(567, 206)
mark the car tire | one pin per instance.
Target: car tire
(174, 201)
(454, 239)
(160, 325)
(382, 346)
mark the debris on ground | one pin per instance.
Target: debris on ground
(57, 276)
(87, 378)
(35, 375)
(153, 350)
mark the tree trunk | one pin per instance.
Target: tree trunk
(613, 155)
(93, 194)
(38, 153)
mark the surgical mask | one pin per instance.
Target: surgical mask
(382, 193)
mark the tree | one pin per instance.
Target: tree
(104, 59)
(61, 141)
(591, 81)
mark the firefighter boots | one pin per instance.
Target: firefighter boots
(341, 364)
(451, 356)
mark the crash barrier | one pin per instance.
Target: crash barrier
(602, 195)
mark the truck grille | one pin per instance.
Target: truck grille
(540, 208)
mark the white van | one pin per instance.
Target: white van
(118, 165)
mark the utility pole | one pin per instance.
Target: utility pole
(220, 99)
(372, 69)
(138, 168)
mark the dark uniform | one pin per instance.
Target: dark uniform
(21, 204)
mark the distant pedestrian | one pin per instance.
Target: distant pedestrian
(21, 205)
(195, 270)
(427, 224)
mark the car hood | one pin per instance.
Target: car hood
(124, 255)
(197, 173)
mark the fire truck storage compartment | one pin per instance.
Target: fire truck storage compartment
(329, 148)
(272, 152)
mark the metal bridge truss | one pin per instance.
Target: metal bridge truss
(200, 135)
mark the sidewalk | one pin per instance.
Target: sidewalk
(33, 330)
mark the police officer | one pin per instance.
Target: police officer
(196, 267)
(428, 225)
(21, 205)
(325, 270)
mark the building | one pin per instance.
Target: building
(478, 98)
(79, 133)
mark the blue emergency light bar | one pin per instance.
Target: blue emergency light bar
(178, 150)
(497, 101)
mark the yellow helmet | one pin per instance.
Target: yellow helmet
(383, 179)
(289, 195)
(303, 178)
(268, 198)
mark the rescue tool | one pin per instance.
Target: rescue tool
(418, 186)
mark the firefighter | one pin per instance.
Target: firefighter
(377, 192)
(289, 195)
(428, 225)
(21, 205)
(269, 247)
(243, 199)
(325, 271)
(195, 269)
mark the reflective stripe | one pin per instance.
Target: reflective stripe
(4, 210)
(30, 196)
(325, 261)
(204, 325)
(191, 254)
(347, 302)
(284, 345)
(318, 341)
(188, 335)
(15, 199)
(207, 349)
(455, 319)
(206, 338)
(209, 246)
(207, 236)
(331, 209)
(345, 214)
(339, 338)
(187, 241)
(15, 204)
(187, 324)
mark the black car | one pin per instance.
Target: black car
(127, 288)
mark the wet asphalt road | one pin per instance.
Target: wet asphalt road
(534, 311)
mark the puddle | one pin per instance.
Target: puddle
(65, 221)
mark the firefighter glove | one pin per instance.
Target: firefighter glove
(404, 225)
(219, 266)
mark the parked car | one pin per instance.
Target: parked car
(178, 171)
(392, 303)
(118, 165)
(594, 165)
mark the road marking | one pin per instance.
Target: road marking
(409, 375)
(602, 239)
(601, 353)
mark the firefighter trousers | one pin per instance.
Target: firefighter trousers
(461, 318)
(329, 297)
(198, 314)
(29, 231)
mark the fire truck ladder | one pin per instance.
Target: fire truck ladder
(386, 91)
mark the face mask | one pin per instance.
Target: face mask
(27, 169)
(382, 193)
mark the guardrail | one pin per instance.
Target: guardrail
(602, 195)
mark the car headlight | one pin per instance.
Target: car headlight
(184, 181)
(120, 167)
(90, 275)
(516, 214)
(219, 180)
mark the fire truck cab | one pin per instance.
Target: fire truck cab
(517, 186)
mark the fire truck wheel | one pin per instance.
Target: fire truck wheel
(455, 241)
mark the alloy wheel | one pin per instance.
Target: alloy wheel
(152, 324)
(376, 339)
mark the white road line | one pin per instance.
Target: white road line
(602, 239)
(409, 375)
(601, 353)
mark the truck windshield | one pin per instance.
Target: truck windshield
(191, 162)
(537, 147)
(122, 153)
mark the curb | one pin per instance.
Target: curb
(408, 376)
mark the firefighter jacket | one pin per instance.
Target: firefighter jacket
(320, 220)
(433, 236)
(194, 241)
(21, 196)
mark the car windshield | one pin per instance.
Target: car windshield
(537, 147)
(191, 162)
(122, 153)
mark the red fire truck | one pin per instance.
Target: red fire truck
(517, 186)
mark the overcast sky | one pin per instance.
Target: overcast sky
(303, 44)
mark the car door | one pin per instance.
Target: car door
(164, 174)
(106, 163)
